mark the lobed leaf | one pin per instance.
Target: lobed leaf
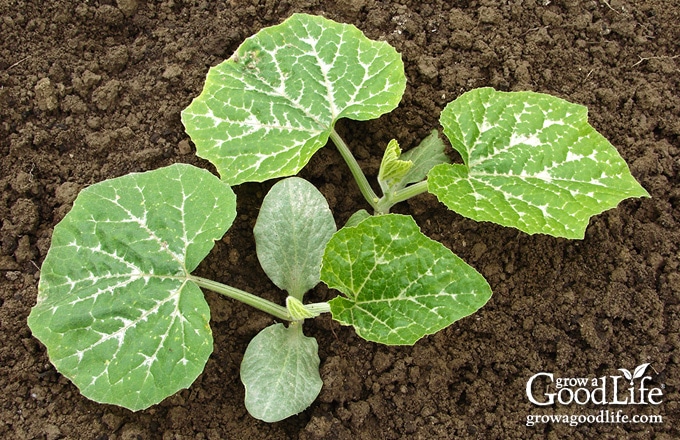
(265, 111)
(291, 232)
(531, 161)
(398, 284)
(116, 308)
(280, 371)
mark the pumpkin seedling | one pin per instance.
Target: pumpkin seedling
(123, 317)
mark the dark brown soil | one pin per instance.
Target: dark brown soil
(93, 89)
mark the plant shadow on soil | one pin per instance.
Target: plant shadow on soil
(93, 90)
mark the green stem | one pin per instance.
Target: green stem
(245, 297)
(410, 191)
(386, 202)
(354, 167)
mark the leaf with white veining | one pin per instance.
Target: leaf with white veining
(116, 308)
(398, 284)
(531, 161)
(265, 111)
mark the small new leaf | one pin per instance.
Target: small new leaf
(280, 371)
(531, 161)
(264, 112)
(398, 284)
(392, 168)
(117, 309)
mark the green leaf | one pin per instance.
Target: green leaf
(532, 162)
(399, 285)
(280, 371)
(264, 112)
(357, 218)
(116, 308)
(291, 233)
(392, 169)
(425, 156)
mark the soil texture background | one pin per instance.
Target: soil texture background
(91, 90)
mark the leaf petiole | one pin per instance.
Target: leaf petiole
(248, 298)
(365, 187)
(258, 302)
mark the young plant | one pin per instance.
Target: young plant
(121, 314)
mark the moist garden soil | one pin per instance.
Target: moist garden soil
(91, 90)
